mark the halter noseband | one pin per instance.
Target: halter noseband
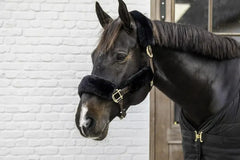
(107, 90)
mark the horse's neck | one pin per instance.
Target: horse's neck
(201, 86)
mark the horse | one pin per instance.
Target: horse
(198, 70)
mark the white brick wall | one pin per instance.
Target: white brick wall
(45, 48)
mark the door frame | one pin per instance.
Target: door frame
(162, 129)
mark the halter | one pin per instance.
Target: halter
(110, 91)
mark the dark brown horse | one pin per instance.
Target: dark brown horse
(196, 69)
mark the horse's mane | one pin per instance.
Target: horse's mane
(181, 37)
(195, 40)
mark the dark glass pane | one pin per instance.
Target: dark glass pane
(193, 12)
(226, 16)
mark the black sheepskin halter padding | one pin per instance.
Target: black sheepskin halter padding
(103, 88)
(97, 86)
(144, 29)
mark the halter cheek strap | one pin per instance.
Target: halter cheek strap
(144, 34)
(118, 94)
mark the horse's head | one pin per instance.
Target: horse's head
(121, 74)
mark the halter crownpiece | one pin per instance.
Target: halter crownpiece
(144, 34)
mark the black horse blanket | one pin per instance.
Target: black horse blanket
(217, 139)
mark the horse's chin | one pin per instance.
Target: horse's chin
(97, 136)
(102, 136)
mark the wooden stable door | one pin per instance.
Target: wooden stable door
(165, 136)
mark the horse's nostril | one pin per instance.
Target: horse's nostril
(89, 122)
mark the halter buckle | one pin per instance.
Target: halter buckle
(117, 96)
(149, 51)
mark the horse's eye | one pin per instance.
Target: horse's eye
(121, 56)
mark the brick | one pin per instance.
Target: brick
(57, 1)
(23, 24)
(40, 143)
(67, 117)
(10, 32)
(22, 49)
(36, 134)
(22, 151)
(47, 151)
(52, 158)
(50, 24)
(21, 143)
(47, 117)
(11, 6)
(58, 126)
(23, 83)
(52, 7)
(70, 16)
(47, 15)
(59, 134)
(136, 150)
(11, 100)
(11, 134)
(4, 151)
(58, 33)
(5, 49)
(70, 24)
(47, 83)
(34, 125)
(46, 126)
(24, 117)
(57, 142)
(23, 6)
(6, 117)
(24, 15)
(140, 157)
(69, 151)
(35, 32)
(7, 143)
(29, 108)
(89, 150)
(4, 83)
(5, 15)
(10, 40)
(35, 7)
(50, 41)
(115, 150)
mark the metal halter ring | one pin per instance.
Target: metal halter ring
(149, 51)
(117, 96)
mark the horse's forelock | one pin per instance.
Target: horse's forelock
(109, 35)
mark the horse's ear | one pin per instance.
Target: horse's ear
(103, 17)
(124, 14)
